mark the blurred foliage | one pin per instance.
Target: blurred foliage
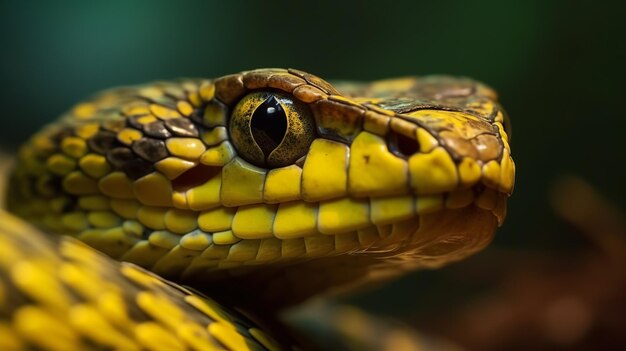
(558, 66)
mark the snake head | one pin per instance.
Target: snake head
(206, 180)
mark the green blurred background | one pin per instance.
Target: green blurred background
(559, 68)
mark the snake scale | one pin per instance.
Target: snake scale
(258, 190)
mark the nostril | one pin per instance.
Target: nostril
(402, 145)
(195, 176)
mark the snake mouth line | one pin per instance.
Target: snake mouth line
(262, 234)
(298, 219)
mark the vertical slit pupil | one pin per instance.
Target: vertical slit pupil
(269, 125)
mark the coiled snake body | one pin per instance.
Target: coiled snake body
(260, 188)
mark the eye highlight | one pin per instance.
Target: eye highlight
(271, 129)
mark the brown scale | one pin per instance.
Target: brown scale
(103, 141)
(156, 129)
(343, 123)
(181, 127)
(125, 160)
(229, 88)
(119, 156)
(316, 81)
(152, 150)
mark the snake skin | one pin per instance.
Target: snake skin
(394, 175)
(65, 296)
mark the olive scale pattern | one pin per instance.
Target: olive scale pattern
(190, 181)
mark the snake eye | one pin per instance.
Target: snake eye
(269, 125)
(271, 129)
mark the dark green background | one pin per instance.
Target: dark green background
(558, 66)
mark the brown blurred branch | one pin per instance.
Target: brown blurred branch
(578, 203)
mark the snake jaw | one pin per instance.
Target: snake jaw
(153, 175)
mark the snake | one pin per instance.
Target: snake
(181, 215)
